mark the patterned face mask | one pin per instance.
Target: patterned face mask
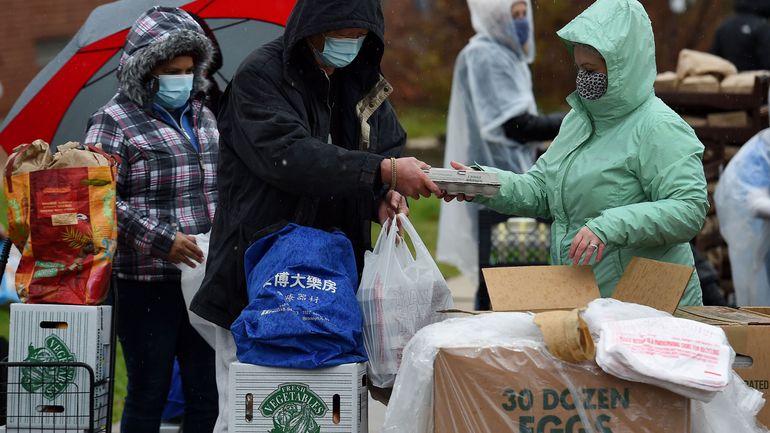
(591, 85)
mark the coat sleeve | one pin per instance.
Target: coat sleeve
(391, 138)
(671, 173)
(268, 134)
(146, 234)
(520, 194)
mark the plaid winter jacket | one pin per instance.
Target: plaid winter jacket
(165, 185)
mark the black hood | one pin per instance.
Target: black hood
(310, 17)
(754, 7)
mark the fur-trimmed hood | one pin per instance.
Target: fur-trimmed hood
(161, 34)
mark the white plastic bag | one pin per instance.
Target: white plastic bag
(733, 410)
(192, 278)
(8, 285)
(603, 310)
(683, 356)
(399, 294)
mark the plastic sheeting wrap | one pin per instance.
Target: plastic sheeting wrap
(411, 405)
(493, 373)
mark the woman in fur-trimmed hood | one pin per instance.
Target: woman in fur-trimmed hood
(168, 144)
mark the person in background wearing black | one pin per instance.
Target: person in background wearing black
(744, 37)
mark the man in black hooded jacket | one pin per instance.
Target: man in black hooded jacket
(744, 37)
(306, 135)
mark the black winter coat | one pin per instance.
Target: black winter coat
(744, 38)
(296, 145)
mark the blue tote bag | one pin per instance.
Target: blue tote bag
(302, 310)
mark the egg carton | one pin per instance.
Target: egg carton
(468, 182)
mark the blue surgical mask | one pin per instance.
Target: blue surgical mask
(520, 28)
(174, 90)
(340, 52)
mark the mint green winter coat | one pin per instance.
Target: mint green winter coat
(626, 166)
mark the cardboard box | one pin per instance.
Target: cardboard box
(748, 330)
(44, 397)
(742, 82)
(526, 390)
(332, 399)
(730, 119)
(541, 288)
(666, 82)
(699, 84)
(696, 121)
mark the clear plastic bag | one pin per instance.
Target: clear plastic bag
(733, 410)
(689, 358)
(399, 294)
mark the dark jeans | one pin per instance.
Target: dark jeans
(153, 328)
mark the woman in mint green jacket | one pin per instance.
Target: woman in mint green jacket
(624, 177)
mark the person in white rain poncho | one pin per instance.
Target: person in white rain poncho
(743, 206)
(493, 117)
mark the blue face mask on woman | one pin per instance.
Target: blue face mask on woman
(339, 52)
(174, 90)
(520, 28)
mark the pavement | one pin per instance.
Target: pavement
(463, 294)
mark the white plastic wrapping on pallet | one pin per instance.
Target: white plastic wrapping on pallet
(48, 397)
(267, 399)
(542, 396)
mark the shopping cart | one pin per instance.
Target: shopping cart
(27, 391)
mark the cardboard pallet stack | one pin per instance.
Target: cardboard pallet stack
(725, 108)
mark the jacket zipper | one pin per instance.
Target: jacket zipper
(563, 205)
(196, 116)
(328, 104)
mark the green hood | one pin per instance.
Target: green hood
(621, 31)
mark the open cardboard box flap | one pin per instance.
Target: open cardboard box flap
(538, 288)
(725, 316)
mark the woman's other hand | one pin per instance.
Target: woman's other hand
(586, 242)
(185, 250)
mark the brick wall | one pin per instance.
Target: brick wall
(27, 23)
